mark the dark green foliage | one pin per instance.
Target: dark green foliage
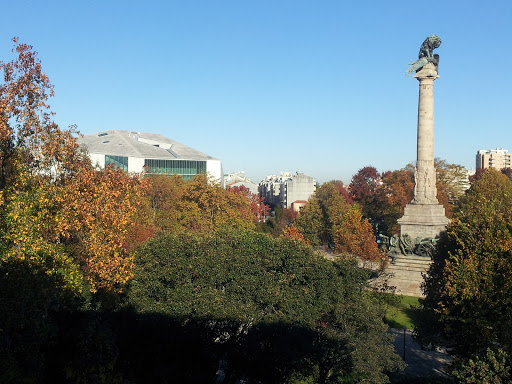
(237, 274)
(205, 308)
(469, 286)
(30, 299)
(311, 222)
(276, 309)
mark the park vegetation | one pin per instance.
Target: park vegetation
(108, 277)
(469, 286)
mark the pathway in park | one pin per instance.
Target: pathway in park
(419, 362)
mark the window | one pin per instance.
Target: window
(186, 168)
(118, 161)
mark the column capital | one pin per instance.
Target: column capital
(427, 72)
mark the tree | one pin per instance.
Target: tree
(323, 212)
(292, 233)
(469, 285)
(257, 210)
(478, 173)
(493, 368)
(281, 219)
(451, 184)
(366, 190)
(201, 205)
(507, 172)
(99, 207)
(276, 309)
(324, 192)
(310, 222)
(398, 189)
(335, 202)
(355, 238)
(364, 185)
(57, 211)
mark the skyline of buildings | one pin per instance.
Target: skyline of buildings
(155, 154)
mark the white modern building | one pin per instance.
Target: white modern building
(150, 153)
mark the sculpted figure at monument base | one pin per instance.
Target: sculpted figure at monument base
(406, 245)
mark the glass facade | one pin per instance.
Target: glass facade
(118, 161)
(186, 168)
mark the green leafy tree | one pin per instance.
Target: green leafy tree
(323, 213)
(335, 202)
(451, 184)
(310, 222)
(278, 311)
(469, 285)
(492, 368)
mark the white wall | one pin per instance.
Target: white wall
(214, 169)
(135, 164)
(97, 159)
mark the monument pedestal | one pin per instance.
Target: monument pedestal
(423, 220)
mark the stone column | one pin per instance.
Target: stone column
(424, 216)
(425, 175)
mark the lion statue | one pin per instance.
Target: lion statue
(426, 54)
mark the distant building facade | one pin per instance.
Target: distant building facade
(238, 179)
(150, 153)
(286, 189)
(496, 158)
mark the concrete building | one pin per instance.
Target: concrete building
(270, 188)
(287, 189)
(496, 158)
(150, 153)
(238, 179)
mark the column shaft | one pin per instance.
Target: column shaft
(425, 174)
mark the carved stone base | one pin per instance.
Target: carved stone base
(423, 220)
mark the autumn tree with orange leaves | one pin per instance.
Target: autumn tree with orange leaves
(293, 233)
(355, 238)
(57, 212)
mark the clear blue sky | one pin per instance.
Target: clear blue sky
(269, 85)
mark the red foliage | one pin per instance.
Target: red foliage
(259, 209)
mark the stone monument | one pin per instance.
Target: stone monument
(424, 217)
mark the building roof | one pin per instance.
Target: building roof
(139, 144)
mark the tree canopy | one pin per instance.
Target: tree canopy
(469, 286)
(280, 293)
(110, 277)
(58, 211)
